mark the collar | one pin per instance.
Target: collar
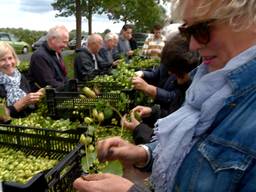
(243, 78)
(48, 49)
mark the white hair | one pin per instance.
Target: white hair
(56, 31)
(110, 36)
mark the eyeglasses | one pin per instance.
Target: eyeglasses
(200, 31)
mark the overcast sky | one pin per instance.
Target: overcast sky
(39, 15)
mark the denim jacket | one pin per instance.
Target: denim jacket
(223, 159)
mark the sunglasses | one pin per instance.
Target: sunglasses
(200, 31)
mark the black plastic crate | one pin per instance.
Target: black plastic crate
(63, 104)
(76, 86)
(57, 145)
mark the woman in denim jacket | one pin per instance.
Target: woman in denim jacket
(209, 143)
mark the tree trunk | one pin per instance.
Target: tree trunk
(78, 24)
(89, 17)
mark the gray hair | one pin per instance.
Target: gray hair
(110, 36)
(56, 31)
(241, 14)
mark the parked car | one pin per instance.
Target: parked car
(38, 43)
(72, 42)
(16, 43)
(140, 38)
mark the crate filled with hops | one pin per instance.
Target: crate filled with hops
(39, 159)
(97, 85)
(80, 104)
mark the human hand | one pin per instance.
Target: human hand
(102, 183)
(30, 98)
(155, 51)
(33, 98)
(116, 148)
(42, 91)
(139, 74)
(130, 53)
(115, 63)
(130, 124)
(139, 84)
(143, 111)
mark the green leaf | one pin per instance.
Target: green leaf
(114, 167)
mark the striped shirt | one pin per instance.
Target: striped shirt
(151, 44)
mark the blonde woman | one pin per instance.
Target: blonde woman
(13, 85)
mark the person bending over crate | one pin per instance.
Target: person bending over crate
(14, 87)
(177, 61)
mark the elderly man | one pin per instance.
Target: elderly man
(106, 52)
(46, 64)
(86, 62)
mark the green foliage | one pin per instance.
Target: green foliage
(143, 14)
(29, 36)
(23, 66)
(68, 7)
(69, 63)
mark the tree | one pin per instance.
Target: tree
(79, 8)
(143, 14)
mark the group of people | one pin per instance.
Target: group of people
(199, 135)
(47, 66)
(208, 143)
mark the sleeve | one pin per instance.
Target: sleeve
(155, 113)
(151, 146)
(2, 92)
(165, 96)
(84, 66)
(152, 76)
(24, 85)
(142, 134)
(42, 73)
(146, 46)
(103, 62)
(13, 112)
(137, 188)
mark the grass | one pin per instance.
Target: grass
(69, 63)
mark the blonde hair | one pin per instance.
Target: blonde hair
(241, 14)
(5, 48)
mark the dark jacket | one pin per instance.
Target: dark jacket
(24, 85)
(133, 43)
(84, 65)
(164, 82)
(45, 69)
(143, 132)
(105, 58)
